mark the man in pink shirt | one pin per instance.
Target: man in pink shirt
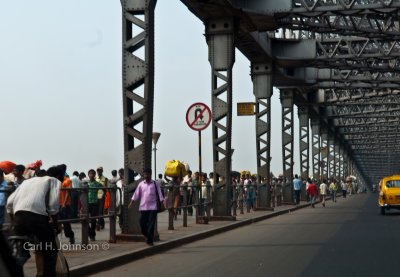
(146, 193)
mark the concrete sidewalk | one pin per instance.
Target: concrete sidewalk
(101, 255)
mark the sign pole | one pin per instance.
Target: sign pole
(198, 117)
(200, 176)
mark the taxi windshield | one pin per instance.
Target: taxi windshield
(393, 184)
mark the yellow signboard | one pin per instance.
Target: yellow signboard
(246, 108)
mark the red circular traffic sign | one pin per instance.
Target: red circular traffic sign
(198, 116)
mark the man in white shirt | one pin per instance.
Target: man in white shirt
(75, 194)
(322, 191)
(29, 208)
(120, 197)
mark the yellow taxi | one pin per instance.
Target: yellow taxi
(389, 193)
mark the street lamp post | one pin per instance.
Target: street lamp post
(156, 136)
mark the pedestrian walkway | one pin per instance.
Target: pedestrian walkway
(101, 254)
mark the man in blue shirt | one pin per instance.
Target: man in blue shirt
(297, 189)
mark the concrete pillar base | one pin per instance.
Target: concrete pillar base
(222, 218)
(288, 203)
(263, 209)
(202, 220)
(132, 237)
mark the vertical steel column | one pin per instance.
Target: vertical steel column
(340, 163)
(287, 143)
(315, 140)
(350, 165)
(330, 157)
(337, 160)
(221, 55)
(324, 152)
(137, 95)
(304, 126)
(345, 164)
(262, 89)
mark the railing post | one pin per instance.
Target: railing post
(273, 194)
(171, 210)
(234, 199)
(241, 197)
(185, 201)
(84, 215)
(196, 201)
(248, 187)
(207, 201)
(278, 191)
(112, 213)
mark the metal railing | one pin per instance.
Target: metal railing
(84, 217)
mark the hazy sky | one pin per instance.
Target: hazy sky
(61, 87)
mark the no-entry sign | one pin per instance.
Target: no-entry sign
(198, 116)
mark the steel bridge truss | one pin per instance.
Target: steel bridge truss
(137, 95)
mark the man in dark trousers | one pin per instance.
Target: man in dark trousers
(31, 209)
(146, 192)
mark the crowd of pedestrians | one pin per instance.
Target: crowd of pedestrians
(323, 188)
(69, 203)
(198, 188)
(36, 199)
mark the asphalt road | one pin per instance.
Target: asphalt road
(347, 238)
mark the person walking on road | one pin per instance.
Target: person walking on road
(344, 189)
(65, 206)
(146, 193)
(74, 194)
(120, 197)
(93, 185)
(312, 192)
(297, 189)
(101, 196)
(333, 189)
(322, 191)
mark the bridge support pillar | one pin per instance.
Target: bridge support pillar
(331, 157)
(336, 163)
(345, 164)
(287, 144)
(315, 140)
(324, 152)
(304, 143)
(138, 92)
(341, 153)
(220, 34)
(262, 89)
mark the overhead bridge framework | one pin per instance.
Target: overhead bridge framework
(337, 61)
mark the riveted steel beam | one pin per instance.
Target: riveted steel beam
(364, 121)
(137, 95)
(331, 157)
(287, 97)
(262, 88)
(343, 96)
(337, 162)
(220, 34)
(343, 53)
(324, 151)
(316, 147)
(261, 75)
(304, 141)
(370, 130)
